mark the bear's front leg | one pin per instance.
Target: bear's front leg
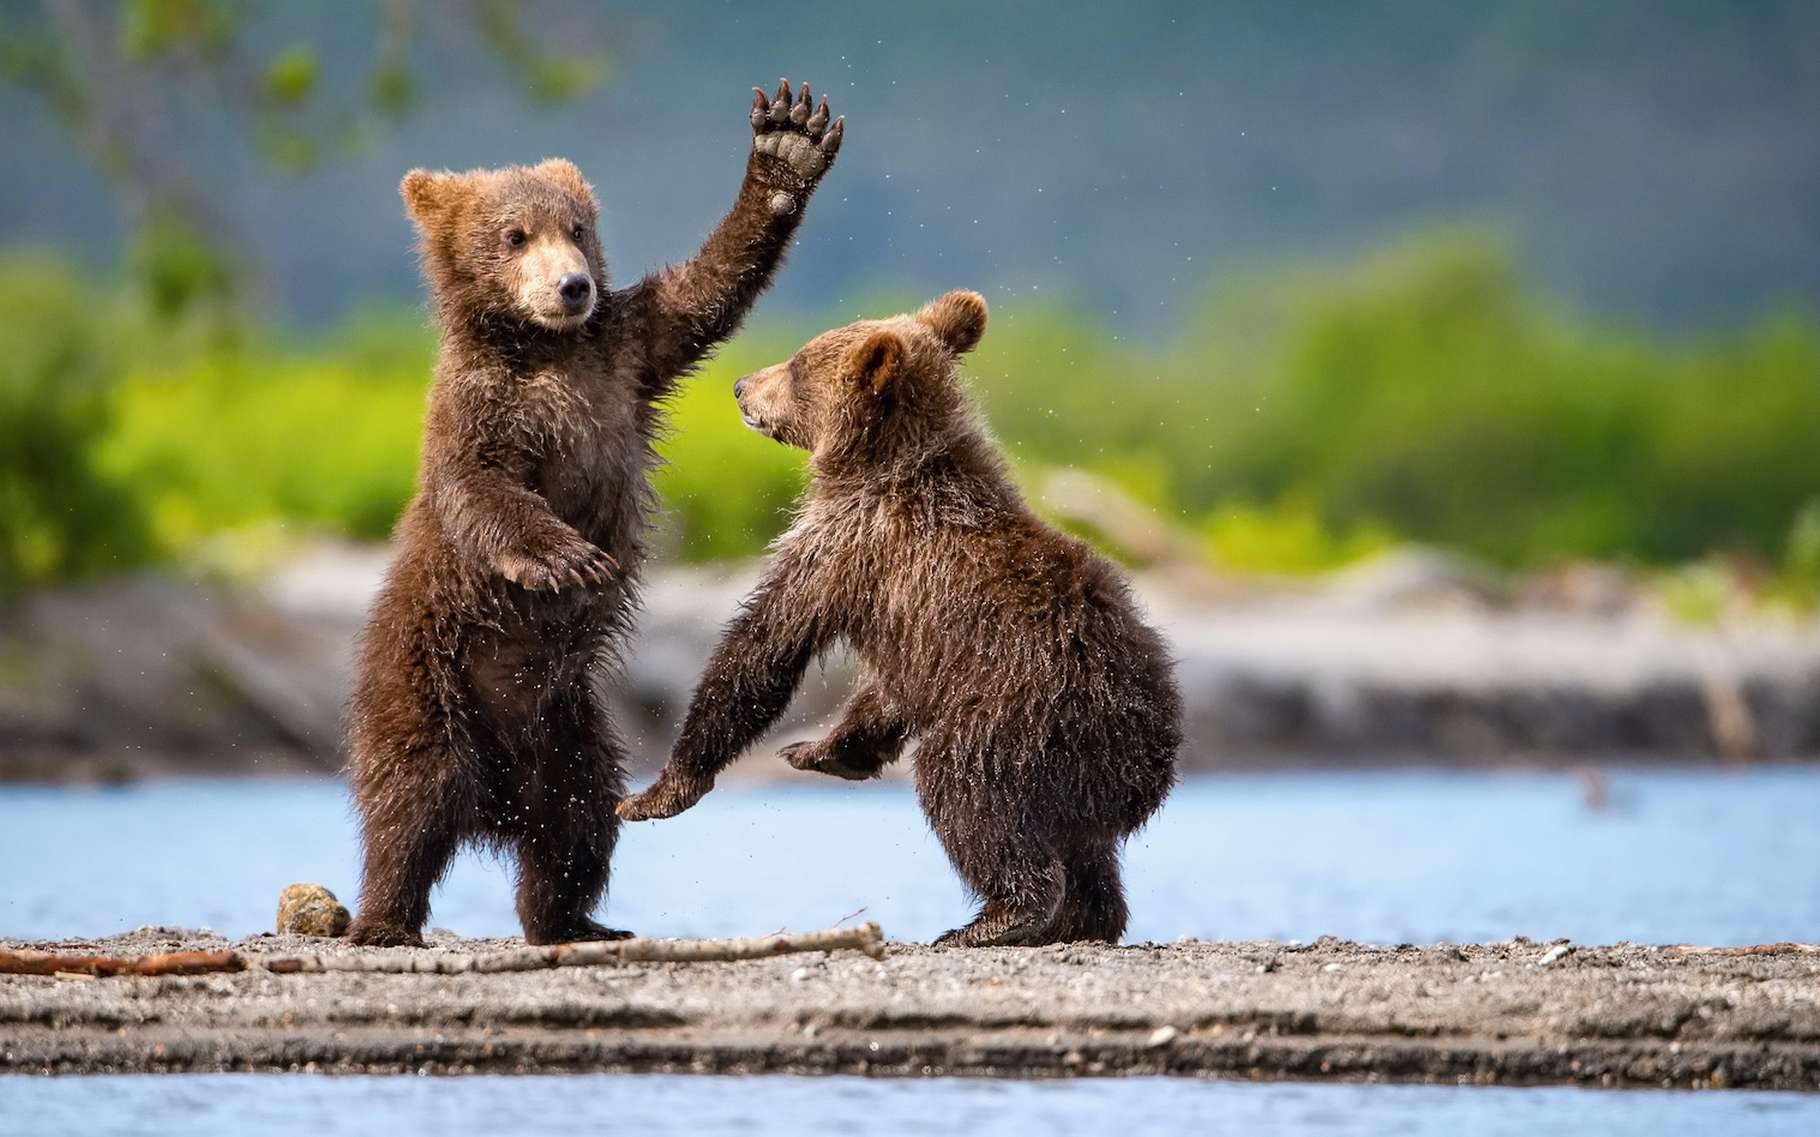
(683, 311)
(869, 737)
(750, 678)
(673, 792)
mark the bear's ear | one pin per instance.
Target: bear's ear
(878, 359)
(426, 193)
(565, 174)
(959, 318)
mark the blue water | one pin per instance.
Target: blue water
(1704, 857)
(242, 1105)
(1679, 857)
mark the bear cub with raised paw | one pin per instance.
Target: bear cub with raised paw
(474, 717)
(1045, 708)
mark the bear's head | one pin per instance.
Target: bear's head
(869, 386)
(514, 244)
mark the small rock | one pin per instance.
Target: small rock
(1160, 1037)
(1332, 967)
(310, 910)
(800, 975)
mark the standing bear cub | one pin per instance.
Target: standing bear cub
(473, 715)
(1046, 708)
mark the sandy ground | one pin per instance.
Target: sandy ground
(1516, 1013)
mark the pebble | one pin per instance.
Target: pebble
(1161, 1036)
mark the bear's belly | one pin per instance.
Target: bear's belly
(599, 484)
(514, 673)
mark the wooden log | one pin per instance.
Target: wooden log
(1784, 948)
(171, 963)
(865, 937)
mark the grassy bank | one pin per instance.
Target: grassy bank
(1298, 421)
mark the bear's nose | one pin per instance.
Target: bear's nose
(739, 386)
(575, 288)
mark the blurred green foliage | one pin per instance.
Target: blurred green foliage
(177, 269)
(1424, 394)
(1304, 420)
(252, 433)
(62, 516)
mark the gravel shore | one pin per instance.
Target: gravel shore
(1509, 1013)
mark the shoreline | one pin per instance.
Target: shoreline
(1515, 1013)
(1391, 664)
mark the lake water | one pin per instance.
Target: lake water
(255, 1105)
(1681, 857)
(1677, 857)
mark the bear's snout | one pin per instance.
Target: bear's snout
(576, 290)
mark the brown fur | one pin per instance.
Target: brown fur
(1046, 708)
(473, 716)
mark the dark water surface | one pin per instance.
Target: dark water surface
(1702, 857)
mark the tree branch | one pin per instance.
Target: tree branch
(866, 937)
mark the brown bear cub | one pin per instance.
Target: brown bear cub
(473, 715)
(1045, 706)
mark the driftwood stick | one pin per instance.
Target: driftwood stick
(1784, 948)
(172, 963)
(866, 937)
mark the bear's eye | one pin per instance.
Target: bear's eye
(578, 233)
(515, 237)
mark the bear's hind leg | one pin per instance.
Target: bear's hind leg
(1012, 869)
(1094, 906)
(567, 828)
(412, 818)
(1020, 912)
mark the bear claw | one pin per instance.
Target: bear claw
(575, 566)
(583, 932)
(794, 129)
(813, 758)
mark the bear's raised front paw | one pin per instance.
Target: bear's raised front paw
(816, 758)
(792, 144)
(574, 564)
(666, 797)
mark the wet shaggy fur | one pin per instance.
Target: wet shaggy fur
(516, 573)
(1045, 706)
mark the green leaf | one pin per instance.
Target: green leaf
(291, 76)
